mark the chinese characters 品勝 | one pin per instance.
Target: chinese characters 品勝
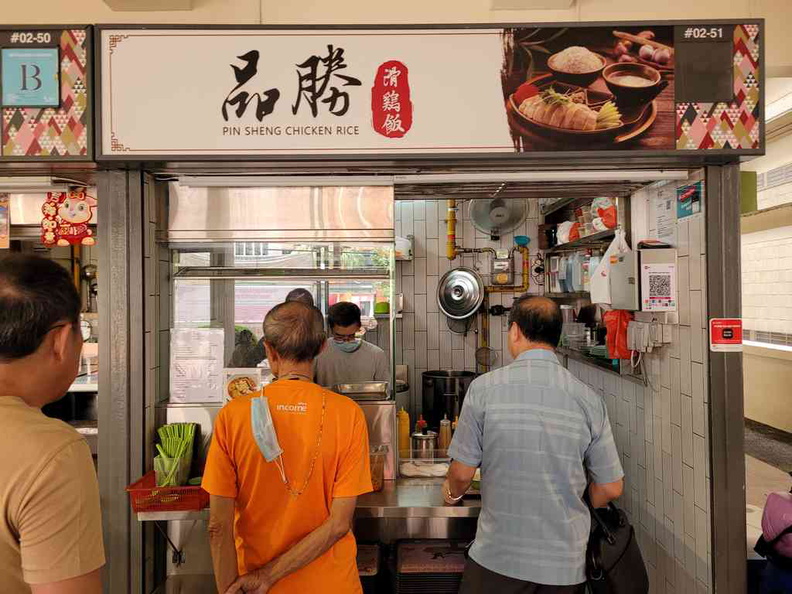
(319, 82)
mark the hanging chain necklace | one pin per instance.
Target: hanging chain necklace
(317, 451)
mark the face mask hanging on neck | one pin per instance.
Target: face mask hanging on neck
(264, 429)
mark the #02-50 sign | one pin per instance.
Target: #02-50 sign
(256, 92)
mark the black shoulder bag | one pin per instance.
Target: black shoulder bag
(614, 564)
(767, 550)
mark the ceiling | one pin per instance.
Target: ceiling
(522, 189)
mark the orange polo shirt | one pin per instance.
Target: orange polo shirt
(269, 520)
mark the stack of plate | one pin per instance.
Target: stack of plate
(429, 567)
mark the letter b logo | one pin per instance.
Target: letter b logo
(31, 77)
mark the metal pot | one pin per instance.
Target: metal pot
(424, 445)
(443, 394)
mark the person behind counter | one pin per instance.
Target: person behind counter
(247, 351)
(536, 432)
(51, 528)
(348, 358)
(289, 462)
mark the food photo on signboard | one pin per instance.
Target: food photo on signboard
(592, 87)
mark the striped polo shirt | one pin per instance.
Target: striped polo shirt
(537, 433)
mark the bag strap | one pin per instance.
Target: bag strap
(780, 535)
(598, 518)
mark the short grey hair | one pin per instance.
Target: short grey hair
(295, 331)
(301, 295)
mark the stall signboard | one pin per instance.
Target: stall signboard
(322, 93)
(46, 94)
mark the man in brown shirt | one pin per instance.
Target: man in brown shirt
(50, 520)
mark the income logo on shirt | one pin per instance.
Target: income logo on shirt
(300, 408)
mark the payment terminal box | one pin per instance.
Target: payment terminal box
(644, 280)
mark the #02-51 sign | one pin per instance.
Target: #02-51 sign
(259, 92)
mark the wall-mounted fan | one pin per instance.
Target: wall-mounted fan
(497, 216)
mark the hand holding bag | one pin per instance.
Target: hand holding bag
(614, 564)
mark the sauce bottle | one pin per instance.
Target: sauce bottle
(444, 439)
(403, 418)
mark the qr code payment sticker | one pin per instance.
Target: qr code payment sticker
(660, 286)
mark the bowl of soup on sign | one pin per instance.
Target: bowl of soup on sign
(633, 84)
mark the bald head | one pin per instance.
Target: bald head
(301, 295)
(295, 331)
(538, 319)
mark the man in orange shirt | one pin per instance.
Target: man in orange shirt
(284, 472)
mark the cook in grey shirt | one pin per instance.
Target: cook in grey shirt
(346, 357)
(539, 436)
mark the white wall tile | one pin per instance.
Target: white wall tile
(696, 323)
(699, 472)
(676, 394)
(687, 430)
(431, 294)
(419, 210)
(419, 230)
(408, 325)
(459, 360)
(688, 482)
(684, 360)
(433, 359)
(676, 459)
(420, 275)
(420, 350)
(699, 413)
(683, 289)
(431, 221)
(433, 331)
(665, 419)
(419, 302)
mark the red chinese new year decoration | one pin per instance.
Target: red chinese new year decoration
(391, 108)
(67, 216)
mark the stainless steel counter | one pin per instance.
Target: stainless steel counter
(413, 498)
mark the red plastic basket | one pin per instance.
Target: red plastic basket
(146, 496)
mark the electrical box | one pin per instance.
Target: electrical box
(624, 282)
(644, 280)
(502, 268)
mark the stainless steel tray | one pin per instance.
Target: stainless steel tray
(364, 390)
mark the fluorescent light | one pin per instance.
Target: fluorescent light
(636, 175)
(267, 181)
(281, 181)
(30, 185)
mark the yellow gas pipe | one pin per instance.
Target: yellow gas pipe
(452, 251)
(451, 246)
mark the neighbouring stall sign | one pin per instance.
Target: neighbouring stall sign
(726, 335)
(317, 93)
(30, 77)
(45, 94)
(5, 222)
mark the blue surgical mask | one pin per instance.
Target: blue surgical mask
(348, 347)
(264, 429)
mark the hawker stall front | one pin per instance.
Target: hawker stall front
(429, 176)
(48, 198)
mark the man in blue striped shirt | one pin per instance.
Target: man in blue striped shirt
(540, 437)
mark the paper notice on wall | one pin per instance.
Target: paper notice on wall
(5, 222)
(196, 372)
(665, 215)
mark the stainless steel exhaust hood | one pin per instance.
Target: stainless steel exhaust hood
(198, 214)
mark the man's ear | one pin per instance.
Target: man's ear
(271, 354)
(60, 338)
